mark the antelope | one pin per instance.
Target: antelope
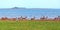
(43, 18)
(57, 18)
(22, 18)
(33, 18)
(13, 19)
(4, 18)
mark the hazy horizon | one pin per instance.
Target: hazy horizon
(54, 4)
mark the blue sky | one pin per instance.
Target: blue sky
(30, 3)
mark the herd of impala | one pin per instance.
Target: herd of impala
(25, 18)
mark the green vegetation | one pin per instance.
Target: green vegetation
(29, 25)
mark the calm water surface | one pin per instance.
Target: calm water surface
(29, 13)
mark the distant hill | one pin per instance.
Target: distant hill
(22, 8)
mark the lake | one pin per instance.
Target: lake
(29, 13)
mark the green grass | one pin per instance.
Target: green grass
(29, 25)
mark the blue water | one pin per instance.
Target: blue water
(29, 13)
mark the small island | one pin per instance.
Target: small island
(18, 8)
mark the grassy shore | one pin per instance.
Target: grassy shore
(30, 25)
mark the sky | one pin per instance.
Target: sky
(30, 3)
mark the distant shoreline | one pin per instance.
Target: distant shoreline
(31, 8)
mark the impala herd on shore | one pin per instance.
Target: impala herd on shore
(25, 18)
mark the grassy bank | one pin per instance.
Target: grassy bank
(29, 25)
